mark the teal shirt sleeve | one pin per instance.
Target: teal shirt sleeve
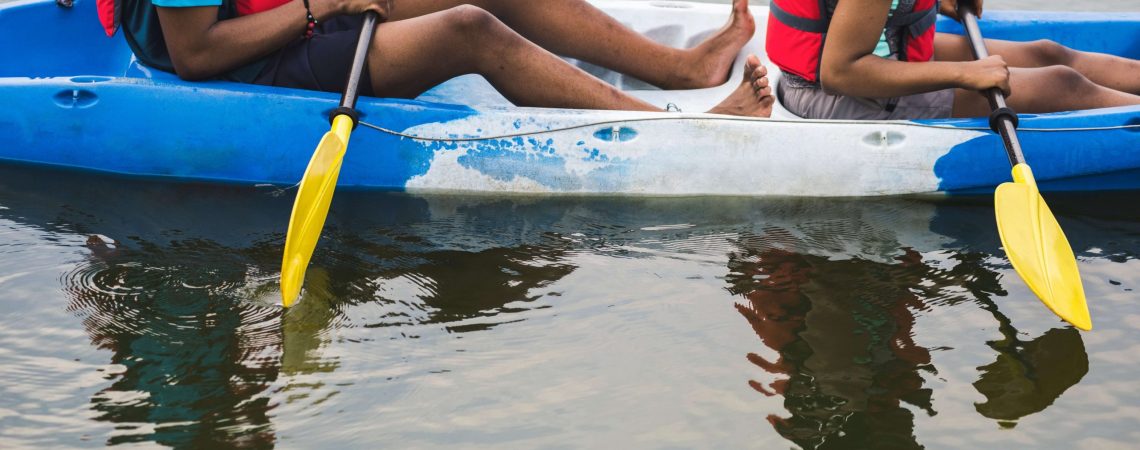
(185, 3)
(882, 49)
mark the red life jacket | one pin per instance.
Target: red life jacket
(797, 30)
(108, 15)
(247, 7)
(110, 11)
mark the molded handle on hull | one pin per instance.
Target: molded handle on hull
(880, 139)
(616, 134)
(75, 98)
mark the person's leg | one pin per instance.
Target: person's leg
(1110, 71)
(1045, 89)
(410, 56)
(577, 29)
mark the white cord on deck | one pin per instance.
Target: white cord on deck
(731, 119)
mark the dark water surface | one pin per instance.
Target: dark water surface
(141, 312)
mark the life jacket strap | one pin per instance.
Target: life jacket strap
(915, 22)
(817, 26)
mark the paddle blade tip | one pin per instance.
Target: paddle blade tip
(1083, 324)
(291, 285)
(1069, 307)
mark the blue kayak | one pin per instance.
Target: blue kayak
(73, 97)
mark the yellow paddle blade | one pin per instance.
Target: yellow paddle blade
(1038, 249)
(311, 208)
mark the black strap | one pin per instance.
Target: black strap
(1002, 113)
(899, 20)
(818, 26)
(915, 22)
(892, 104)
(346, 111)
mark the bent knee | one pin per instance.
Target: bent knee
(1048, 53)
(1068, 79)
(471, 18)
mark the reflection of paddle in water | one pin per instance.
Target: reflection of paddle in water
(1028, 376)
(845, 351)
(305, 327)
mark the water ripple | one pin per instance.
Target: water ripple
(466, 320)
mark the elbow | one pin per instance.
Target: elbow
(189, 75)
(190, 72)
(192, 67)
(835, 80)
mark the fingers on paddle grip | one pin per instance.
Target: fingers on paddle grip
(959, 4)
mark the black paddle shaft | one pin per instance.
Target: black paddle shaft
(1003, 120)
(351, 92)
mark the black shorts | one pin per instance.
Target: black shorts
(320, 63)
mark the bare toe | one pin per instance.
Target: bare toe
(760, 83)
(752, 63)
(753, 97)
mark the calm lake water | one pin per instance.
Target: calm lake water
(138, 312)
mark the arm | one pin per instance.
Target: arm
(849, 67)
(201, 47)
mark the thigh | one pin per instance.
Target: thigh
(953, 47)
(404, 10)
(405, 58)
(410, 56)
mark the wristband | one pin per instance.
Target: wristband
(312, 21)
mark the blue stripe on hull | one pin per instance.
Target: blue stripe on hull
(1053, 155)
(205, 132)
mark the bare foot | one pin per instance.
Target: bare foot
(753, 97)
(711, 61)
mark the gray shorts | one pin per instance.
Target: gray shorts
(812, 103)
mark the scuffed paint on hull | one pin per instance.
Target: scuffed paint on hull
(687, 155)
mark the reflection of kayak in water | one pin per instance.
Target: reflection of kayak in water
(837, 323)
(71, 82)
(237, 217)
